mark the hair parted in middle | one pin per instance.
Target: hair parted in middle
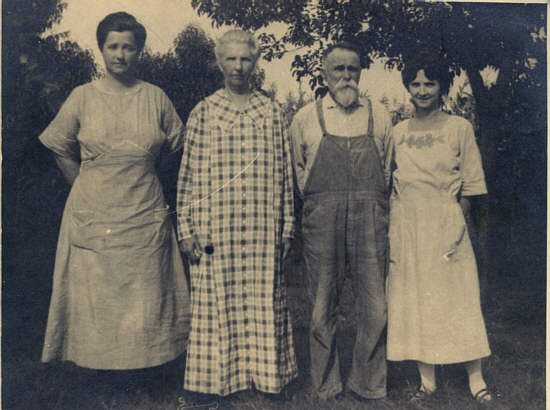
(120, 21)
(435, 66)
(237, 36)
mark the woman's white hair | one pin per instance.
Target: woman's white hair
(237, 36)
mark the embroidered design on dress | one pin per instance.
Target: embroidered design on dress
(422, 141)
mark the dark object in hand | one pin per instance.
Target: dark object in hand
(209, 249)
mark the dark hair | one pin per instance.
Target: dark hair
(435, 68)
(344, 45)
(121, 21)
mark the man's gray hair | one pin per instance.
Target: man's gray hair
(237, 36)
(342, 45)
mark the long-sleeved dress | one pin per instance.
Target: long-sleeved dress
(434, 312)
(120, 298)
(235, 193)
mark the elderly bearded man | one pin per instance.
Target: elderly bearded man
(342, 158)
(235, 223)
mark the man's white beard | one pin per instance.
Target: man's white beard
(346, 94)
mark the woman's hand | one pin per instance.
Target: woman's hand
(191, 250)
(69, 167)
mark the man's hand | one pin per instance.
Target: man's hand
(191, 249)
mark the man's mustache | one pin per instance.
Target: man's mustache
(341, 85)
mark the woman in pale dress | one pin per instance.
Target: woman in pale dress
(120, 299)
(434, 312)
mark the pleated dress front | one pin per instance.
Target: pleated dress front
(120, 298)
(434, 312)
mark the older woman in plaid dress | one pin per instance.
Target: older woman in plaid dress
(235, 222)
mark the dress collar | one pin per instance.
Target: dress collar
(257, 107)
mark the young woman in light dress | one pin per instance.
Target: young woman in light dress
(434, 312)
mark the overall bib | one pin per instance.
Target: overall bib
(345, 220)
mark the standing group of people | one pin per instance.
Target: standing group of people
(120, 296)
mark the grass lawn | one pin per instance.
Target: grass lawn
(515, 319)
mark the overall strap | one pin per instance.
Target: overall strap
(320, 116)
(370, 130)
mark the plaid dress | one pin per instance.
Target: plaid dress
(235, 192)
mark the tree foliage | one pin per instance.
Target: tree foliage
(393, 29)
(187, 73)
(38, 74)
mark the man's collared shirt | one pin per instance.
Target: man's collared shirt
(306, 133)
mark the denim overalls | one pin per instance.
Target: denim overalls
(345, 220)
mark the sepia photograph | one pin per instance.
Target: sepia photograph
(274, 204)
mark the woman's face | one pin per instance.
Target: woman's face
(237, 63)
(120, 52)
(425, 93)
